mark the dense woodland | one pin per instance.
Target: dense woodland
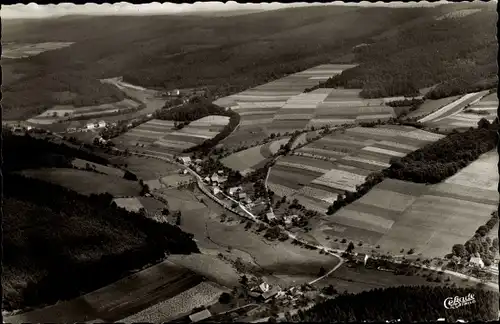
(409, 304)
(58, 243)
(443, 158)
(403, 44)
(454, 55)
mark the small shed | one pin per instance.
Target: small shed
(200, 316)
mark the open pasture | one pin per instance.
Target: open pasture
(86, 182)
(342, 161)
(147, 168)
(430, 219)
(82, 164)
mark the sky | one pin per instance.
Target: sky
(33, 10)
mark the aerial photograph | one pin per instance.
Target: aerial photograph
(271, 162)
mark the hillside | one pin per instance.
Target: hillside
(59, 244)
(409, 304)
(456, 54)
(188, 51)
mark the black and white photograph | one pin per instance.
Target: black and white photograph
(221, 162)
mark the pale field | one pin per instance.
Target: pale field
(211, 120)
(245, 159)
(458, 14)
(430, 106)
(302, 166)
(130, 204)
(383, 151)
(482, 173)
(389, 200)
(324, 195)
(203, 294)
(85, 182)
(279, 190)
(340, 179)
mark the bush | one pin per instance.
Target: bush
(225, 298)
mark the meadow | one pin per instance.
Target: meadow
(398, 216)
(322, 169)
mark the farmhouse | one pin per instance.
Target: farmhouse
(242, 196)
(186, 160)
(270, 216)
(90, 126)
(264, 287)
(362, 258)
(234, 190)
(289, 219)
(220, 172)
(216, 190)
(200, 316)
(207, 179)
(270, 293)
(101, 124)
(476, 261)
(214, 178)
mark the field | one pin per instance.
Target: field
(70, 112)
(111, 303)
(203, 294)
(341, 161)
(130, 204)
(146, 168)
(86, 182)
(430, 106)
(452, 115)
(251, 159)
(12, 50)
(430, 219)
(281, 106)
(161, 135)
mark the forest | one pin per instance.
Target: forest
(443, 158)
(59, 244)
(455, 56)
(407, 303)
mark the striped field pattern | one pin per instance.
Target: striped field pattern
(343, 160)
(430, 219)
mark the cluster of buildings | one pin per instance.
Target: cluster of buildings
(96, 125)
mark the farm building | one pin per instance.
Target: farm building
(270, 293)
(101, 124)
(289, 219)
(90, 126)
(207, 179)
(362, 258)
(186, 160)
(234, 190)
(264, 287)
(477, 261)
(220, 172)
(242, 196)
(200, 316)
(214, 178)
(270, 216)
(216, 190)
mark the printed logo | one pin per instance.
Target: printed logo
(456, 302)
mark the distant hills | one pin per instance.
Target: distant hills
(233, 53)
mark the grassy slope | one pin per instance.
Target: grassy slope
(183, 51)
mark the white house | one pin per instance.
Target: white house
(214, 178)
(477, 261)
(264, 287)
(270, 216)
(216, 190)
(207, 179)
(234, 190)
(90, 126)
(242, 196)
(101, 124)
(289, 219)
(185, 159)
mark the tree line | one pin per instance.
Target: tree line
(407, 303)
